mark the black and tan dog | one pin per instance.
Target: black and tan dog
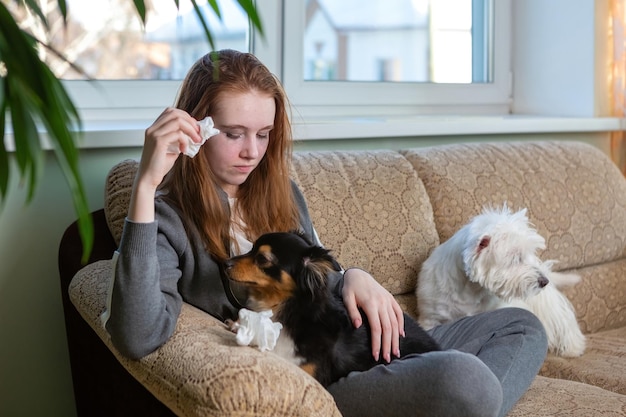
(300, 283)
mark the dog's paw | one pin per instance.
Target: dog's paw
(232, 325)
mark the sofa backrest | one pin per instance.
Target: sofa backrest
(575, 195)
(371, 210)
(384, 211)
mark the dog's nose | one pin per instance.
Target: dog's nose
(542, 281)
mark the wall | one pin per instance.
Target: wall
(34, 364)
(560, 65)
(35, 378)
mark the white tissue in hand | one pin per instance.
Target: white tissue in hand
(257, 329)
(207, 130)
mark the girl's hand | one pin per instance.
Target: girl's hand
(361, 290)
(170, 130)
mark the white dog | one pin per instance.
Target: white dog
(491, 263)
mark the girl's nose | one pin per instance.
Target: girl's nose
(250, 148)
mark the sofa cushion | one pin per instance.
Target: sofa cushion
(602, 364)
(371, 209)
(575, 195)
(561, 398)
(117, 189)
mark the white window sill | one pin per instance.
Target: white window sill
(128, 133)
(419, 126)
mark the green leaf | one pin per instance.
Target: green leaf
(28, 152)
(33, 5)
(33, 93)
(62, 120)
(207, 31)
(22, 88)
(17, 51)
(250, 9)
(63, 9)
(216, 8)
(140, 6)
(4, 156)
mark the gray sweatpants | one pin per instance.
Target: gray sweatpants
(489, 362)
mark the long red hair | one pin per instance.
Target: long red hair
(265, 201)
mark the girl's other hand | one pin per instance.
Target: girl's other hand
(361, 290)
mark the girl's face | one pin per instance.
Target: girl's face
(245, 121)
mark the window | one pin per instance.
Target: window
(335, 58)
(390, 40)
(109, 45)
(138, 68)
(397, 57)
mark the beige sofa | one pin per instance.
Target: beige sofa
(385, 211)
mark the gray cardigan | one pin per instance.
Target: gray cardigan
(159, 265)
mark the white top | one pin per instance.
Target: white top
(241, 244)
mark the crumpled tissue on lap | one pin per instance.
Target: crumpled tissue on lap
(207, 129)
(257, 329)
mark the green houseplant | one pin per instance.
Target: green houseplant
(31, 97)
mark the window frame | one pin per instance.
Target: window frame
(281, 50)
(121, 99)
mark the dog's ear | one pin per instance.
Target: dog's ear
(317, 264)
(483, 243)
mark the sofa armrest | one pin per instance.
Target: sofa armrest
(201, 371)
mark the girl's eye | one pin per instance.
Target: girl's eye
(233, 135)
(239, 135)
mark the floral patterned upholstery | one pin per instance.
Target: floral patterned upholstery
(371, 210)
(201, 371)
(117, 190)
(601, 365)
(385, 211)
(562, 398)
